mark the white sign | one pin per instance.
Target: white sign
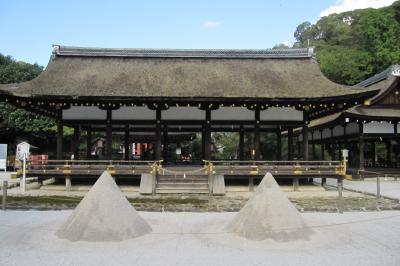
(3, 164)
(22, 151)
(178, 151)
(3, 157)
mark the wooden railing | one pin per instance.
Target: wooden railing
(91, 167)
(279, 168)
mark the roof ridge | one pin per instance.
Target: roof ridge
(59, 50)
(393, 70)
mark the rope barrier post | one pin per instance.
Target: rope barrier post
(378, 187)
(251, 183)
(295, 184)
(210, 177)
(340, 191)
(323, 182)
(4, 201)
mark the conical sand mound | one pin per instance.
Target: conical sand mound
(269, 214)
(104, 214)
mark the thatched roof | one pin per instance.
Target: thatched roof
(286, 73)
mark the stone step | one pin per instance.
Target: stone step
(182, 180)
(181, 191)
(183, 185)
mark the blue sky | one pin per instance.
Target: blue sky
(29, 28)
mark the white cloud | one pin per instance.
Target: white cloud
(347, 5)
(211, 24)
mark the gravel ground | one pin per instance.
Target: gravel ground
(356, 238)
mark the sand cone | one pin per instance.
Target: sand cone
(269, 214)
(104, 214)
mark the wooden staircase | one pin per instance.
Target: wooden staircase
(180, 184)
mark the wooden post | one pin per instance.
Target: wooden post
(256, 134)
(295, 184)
(60, 135)
(378, 187)
(396, 152)
(158, 135)
(361, 145)
(126, 143)
(241, 143)
(333, 149)
(75, 142)
(322, 145)
(388, 145)
(373, 153)
(251, 183)
(290, 144)
(68, 183)
(207, 136)
(314, 154)
(4, 201)
(109, 135)
(165, 141)
(279, 144)
(88, 144)
(340, 192)
(305, 142)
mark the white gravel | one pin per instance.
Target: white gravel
(358, 238)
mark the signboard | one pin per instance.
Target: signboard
(22, 151)
(3, 157)
(178, 151)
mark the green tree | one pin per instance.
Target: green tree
(352, 46)
(12, 71)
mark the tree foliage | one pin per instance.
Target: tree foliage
(12, 71)
(354, 45)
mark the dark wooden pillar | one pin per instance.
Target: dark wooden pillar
(333, 148)
(126, 143)
(157, 152)
(314, 154)
(279, 144)
(60, 135)
(388, 145)
(396, 152)
(305, 142)
(373, 153)
(321, 131)
(298, 148)
(207, 135)
(109, 135)
(165, 141)
(256, 141)
(290, 143)
(361, 145)
(241, 143)
(88, 144)
(75, 143)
